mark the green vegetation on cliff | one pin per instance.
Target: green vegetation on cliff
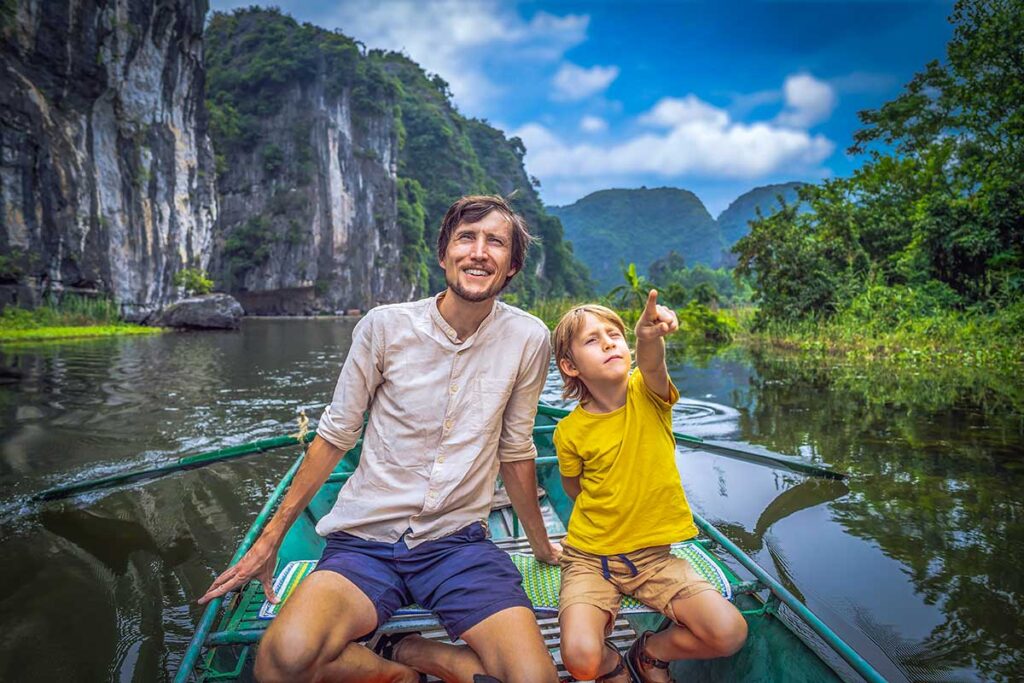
(449, 156)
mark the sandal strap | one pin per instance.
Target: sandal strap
(619, 668)
(646, 659)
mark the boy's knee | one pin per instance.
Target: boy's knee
(582, 657)
(728, 638)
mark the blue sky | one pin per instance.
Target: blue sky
(716, 98)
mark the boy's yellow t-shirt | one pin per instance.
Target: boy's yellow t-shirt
(632, 496)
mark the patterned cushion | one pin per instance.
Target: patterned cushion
(541, 581)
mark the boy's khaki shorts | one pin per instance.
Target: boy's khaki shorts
(660, 578)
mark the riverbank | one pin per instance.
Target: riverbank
(949, 338)
(72, 318)
(73, 332)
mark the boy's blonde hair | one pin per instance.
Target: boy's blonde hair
(567, 329)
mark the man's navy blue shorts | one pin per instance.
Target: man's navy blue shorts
(463, 577)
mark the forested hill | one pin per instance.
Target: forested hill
(611, 227)
(734, 222)
(336, 164)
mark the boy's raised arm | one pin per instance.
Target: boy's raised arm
(655, 323)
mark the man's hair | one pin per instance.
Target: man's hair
(473, 208)
(567, 330)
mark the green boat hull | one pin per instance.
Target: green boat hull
(781, 646)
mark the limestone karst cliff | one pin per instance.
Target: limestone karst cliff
(106, 172)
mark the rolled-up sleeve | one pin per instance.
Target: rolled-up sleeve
(516, 441)
(342, 420)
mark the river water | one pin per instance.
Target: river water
(915, 559)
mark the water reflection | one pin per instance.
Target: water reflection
(913, 559)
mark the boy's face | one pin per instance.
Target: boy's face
(599, 351)
(478, 261)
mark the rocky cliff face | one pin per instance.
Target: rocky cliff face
(106, 172)
(308, 212)
(307, 157)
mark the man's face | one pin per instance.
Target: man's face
(478, 261)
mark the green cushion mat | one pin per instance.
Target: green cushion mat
(541, 581)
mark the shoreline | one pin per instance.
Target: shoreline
(75, 332)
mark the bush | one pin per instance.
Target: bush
(700, 321)
(194, 280)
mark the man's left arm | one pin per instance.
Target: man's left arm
(517, 452)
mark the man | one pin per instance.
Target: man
(452, 384)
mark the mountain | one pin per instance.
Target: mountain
(610, 228)
(734, 221)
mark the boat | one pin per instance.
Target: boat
(786, 641)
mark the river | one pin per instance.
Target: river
(914, 559)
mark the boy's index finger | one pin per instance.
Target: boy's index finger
(651, 309)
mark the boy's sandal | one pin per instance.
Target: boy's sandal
(386, 643)
(637, 657)
(620, 667)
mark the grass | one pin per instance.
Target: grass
(974, 339)
(58, 333)
(72, 317)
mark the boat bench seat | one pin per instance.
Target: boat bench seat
(541, 582)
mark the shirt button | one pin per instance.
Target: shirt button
(431, 495)
(440, 459)
(454, 388)
(447, 424)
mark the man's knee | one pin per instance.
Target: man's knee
(287, 655)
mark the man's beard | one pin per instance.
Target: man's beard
(476, 297)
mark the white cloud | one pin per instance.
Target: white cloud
(808, 101)
(670, 112)
(574, 82)
(699, 140)
(593, 124)
(451, 38)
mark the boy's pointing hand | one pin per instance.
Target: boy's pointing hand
(656, 321)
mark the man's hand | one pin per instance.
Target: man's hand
(656, 321)
(550, 555)
(257, 564)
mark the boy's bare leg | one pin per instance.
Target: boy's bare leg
(511, 648)
(450, 663)
(311, 639)
(583, 629)
(712, 627)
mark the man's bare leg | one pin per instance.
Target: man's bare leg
(450, 663)
(511, 648)
(312, 638)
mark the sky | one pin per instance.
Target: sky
(713, 97)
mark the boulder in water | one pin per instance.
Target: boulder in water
(206, 312)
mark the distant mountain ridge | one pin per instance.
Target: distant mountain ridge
(612, 227)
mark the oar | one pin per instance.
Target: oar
(749, 454)
(187, 463)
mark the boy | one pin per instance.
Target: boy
(616, 455)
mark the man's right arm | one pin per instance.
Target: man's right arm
(258, 563)
(338, 431)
